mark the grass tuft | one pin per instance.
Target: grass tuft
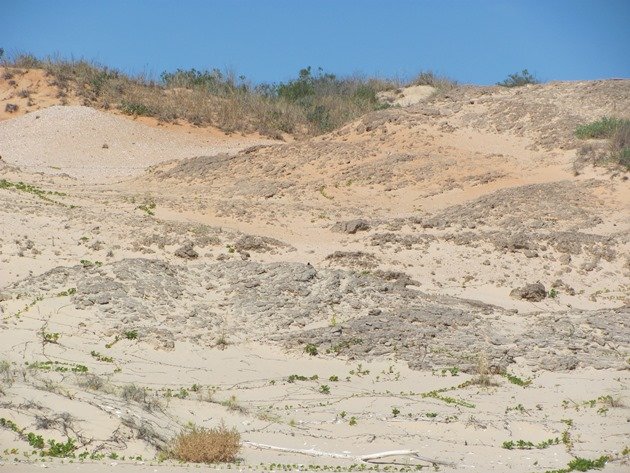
(605, 127)
(617, 131)
(312, 103)
(519, 79)
(200, 445)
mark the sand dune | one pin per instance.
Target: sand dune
(437, 277)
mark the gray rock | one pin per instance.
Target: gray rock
(535, 292)
(351, 227)
(187, 251)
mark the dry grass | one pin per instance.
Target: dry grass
(620, 145)
(200, 445)
(484, 374)
(442, 83)
(617, 152)
(311, 104)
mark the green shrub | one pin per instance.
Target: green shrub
(519, 79)
(620, 145)
(311, 349)
(432, 79)
(617, 130)
(605, 127)
(136, 108)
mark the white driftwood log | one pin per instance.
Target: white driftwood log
(359, 458)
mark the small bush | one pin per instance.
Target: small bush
(434, 80)
(617, 130)
(137, 109)
(620, 145)
(311, 349)
(201, 445)
(131, 392)
(605, 127)
(6, 372)
(519, 79)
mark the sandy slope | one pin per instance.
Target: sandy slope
(459, 199)
(95, 147)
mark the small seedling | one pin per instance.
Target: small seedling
(131, 335)
(311, 349)
(50, 337)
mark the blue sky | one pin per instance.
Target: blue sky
(270, 40)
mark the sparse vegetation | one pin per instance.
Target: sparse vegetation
(434, 80)
(516, 380)
(314, 102)
(311, 349)
(200, 445)
(45, 448)
(48, 337)
(233, 405)
(100, 357)
(131, 392)
(31, 189)
(519, 79)
(616, 131)
(131, 334)
(324, 389)
(57, 366)
(583, 464)
(148, 208)
(6, 372)
(603, 128)
(527, 445)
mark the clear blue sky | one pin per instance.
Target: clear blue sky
(270, 40)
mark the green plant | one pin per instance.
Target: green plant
(233, 405)
(6, 372)
(324, 389)
(42, 194)
(69, 292)
(527, 445)
(86, 263)
(516, 380)
(131, 392)
(454, 371)
(617, 131)
(296, 377)
(35, 441)
(519, 79)
(583, 464)
(518, 408)
(353, 421)
(100, 357)
(605, 127)
(148, 208)
(311, 349)
(432, 79)
(395, 411)
(553, 293)
(136, 108)
(131, 334)
(49, 337)
(334, 378)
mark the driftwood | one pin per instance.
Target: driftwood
(370, 458)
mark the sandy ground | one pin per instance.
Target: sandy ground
(392, 245)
